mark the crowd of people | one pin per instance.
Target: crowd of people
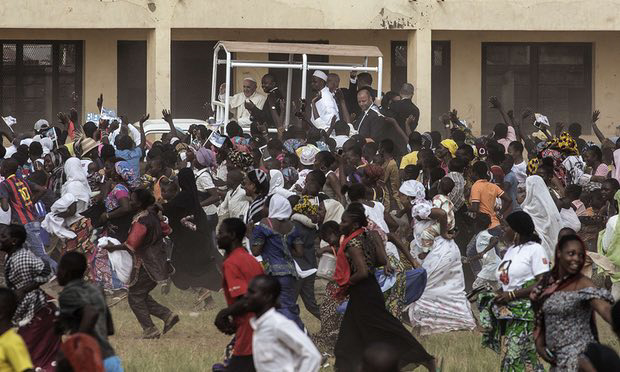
(384, 233)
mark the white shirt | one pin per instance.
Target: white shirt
(489, 260)
(522, 263)
(279, 345)
(10, 151)
(134, 133)
(235, 204)
(237, 105)
(204, 182)
(327, 108)
(340, 140)
(520, 172)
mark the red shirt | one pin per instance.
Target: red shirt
(238, 269)
(18, 192)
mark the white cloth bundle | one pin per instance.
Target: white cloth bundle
(121, 260)
(77, 183)
(570, 219)
(57, 225)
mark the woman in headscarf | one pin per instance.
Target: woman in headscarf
(204, 164)
(256, 186)
(194, 256)
(508, 313)
(563, 302)
(540, 206)
(75, 231)
(276, 240)
(366, 319)
(443, 307)
(445, 152)
(118, 214)
(76, 184)
(372, 178)
(53, 165)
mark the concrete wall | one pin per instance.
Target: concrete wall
(551, 15)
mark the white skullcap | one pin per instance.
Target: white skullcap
(320, 74)
(249, 78)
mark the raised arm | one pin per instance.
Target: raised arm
(142, 135)
(167, 116)
(496, 104)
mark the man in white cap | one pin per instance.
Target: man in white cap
(241, 103)
(41, 126)
(324, 106)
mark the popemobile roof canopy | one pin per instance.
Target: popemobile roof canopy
(222, 109)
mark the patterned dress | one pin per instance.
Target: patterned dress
(509, 331)
(568, 329)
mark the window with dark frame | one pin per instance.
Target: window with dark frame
(38, 78)
(554, 79)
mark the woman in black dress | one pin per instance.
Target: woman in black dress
(195, 258)
(366, 320)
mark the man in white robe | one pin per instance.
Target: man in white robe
(242, 103)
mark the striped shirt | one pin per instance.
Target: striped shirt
(254, 213)
(18, 192)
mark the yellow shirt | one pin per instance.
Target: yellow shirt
(14, 355)
(409, 159)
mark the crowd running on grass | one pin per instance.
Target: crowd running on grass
(386, 234)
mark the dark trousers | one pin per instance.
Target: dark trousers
(241, 363)
(288, 299)
(305, 288)
(141, 302)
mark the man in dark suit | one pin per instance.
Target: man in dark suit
(401, 110)
(357, 82)
(271, 113)
(369, 123)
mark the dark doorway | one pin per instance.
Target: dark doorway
(131, 79)
(191, 70)
(37, 79)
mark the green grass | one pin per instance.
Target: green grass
(194, 344)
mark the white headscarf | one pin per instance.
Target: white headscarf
(541, 207)
(276, 179)
(333, 210)
(56, 225)
(413, 189)
(279, 208)
(76, 183)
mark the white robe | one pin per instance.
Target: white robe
(540, 206)
(443, 306)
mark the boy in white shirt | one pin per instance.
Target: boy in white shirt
(485, 248)
(277, 343)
